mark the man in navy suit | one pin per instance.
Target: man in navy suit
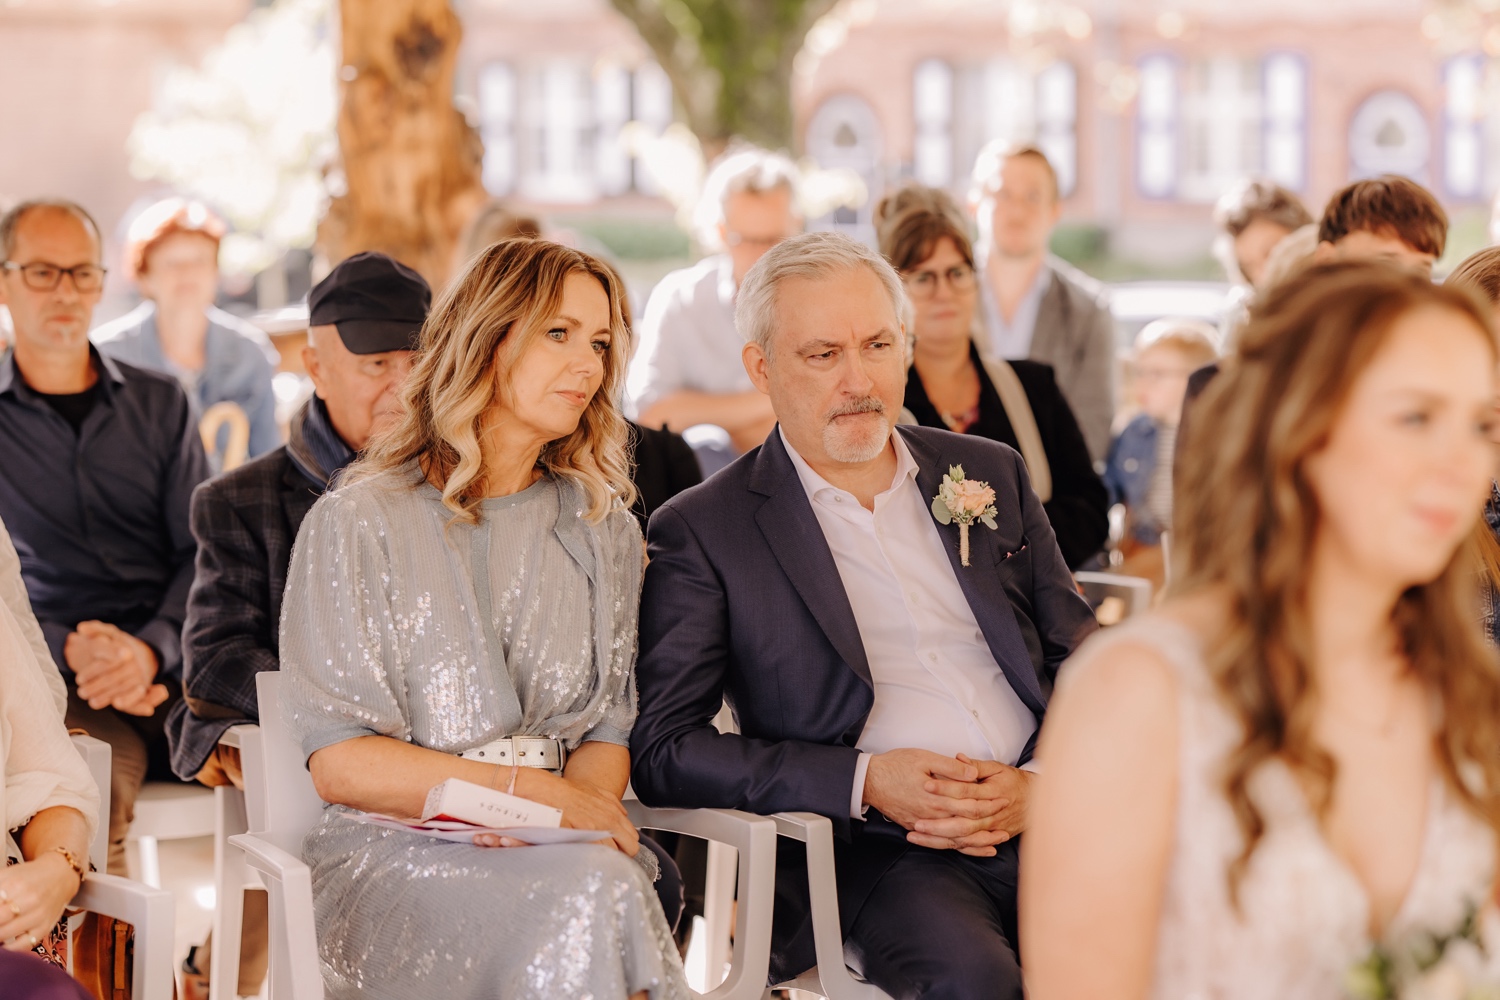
(875, 679)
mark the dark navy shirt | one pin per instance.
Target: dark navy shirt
(100, 516)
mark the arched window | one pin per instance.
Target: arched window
(1389, 135)
(844, 134)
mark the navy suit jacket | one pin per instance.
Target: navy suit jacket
(743, 603)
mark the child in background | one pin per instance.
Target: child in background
(1138, 471)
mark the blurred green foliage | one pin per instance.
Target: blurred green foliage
(1087, 247)
(632, 237)
(730, 62)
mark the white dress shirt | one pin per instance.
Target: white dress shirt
(688, 337)
(937, 685)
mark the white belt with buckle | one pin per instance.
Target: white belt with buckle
(527, 751)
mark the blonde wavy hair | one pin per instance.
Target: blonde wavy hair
(475, 334)
(1247, 517)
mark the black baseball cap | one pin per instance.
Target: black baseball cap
(377, 303)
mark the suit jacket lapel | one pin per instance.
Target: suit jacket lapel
(991, 608)
(796, 539)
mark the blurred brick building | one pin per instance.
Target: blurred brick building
(1150, 108)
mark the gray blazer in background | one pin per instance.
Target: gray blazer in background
(1075, 334)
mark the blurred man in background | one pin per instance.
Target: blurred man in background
(688, 371)
(1254, 217)
(1036, 307)
(98, 460)
(1387, 218)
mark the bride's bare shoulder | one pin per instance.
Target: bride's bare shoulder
(1135, 669)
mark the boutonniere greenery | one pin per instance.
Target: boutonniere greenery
(964, 501)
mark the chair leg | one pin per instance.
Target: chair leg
(230, 876)
(718, 909)
(150, 861)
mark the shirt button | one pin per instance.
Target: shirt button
(975, 714)
(932, 657)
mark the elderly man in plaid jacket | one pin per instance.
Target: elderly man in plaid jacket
(363, 323)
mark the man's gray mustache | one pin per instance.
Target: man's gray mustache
(868, 404)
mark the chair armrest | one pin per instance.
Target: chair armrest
(754, 837)
(289, 883)
(831, 977)
(96, 754)
(133, 902)
(1135, 591)
(267, 858)
(741, 830)
(233, 736)
(152, 913)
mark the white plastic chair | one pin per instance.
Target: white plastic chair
(283, 804)
(96, 754)
(830, 978)
(168, 810)
(1133, 591)
(231, 875)
(149, 910)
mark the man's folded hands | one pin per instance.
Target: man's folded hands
(949, 803)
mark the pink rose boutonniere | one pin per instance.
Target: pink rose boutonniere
(964, 501)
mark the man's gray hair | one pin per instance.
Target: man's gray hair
(811, 255)
(749, 168)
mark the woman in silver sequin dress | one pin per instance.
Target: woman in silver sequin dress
(478, 578)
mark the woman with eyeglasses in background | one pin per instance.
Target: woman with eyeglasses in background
(925, 237)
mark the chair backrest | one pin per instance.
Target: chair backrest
(1132, 592)
(96, 754)
(284, 795)
(237, 443)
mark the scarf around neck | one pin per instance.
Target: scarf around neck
(314, 447)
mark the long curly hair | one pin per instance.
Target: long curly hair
(475, 334)
(1247, 517)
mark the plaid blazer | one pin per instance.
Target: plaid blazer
(245, 522)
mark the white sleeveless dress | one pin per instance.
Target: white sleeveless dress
(1304, 919)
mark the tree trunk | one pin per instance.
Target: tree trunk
(411, 163)
(730, 62)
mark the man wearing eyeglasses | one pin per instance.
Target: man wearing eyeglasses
(98, 460)
(688, 373)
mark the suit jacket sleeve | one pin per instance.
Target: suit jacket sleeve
(1063, 618)
(679, 759)
(1079, 508)
(229, 636)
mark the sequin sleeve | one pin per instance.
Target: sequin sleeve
(337, 628)
(627, 556)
